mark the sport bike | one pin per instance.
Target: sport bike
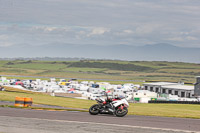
(116, 106)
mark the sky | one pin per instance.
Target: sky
(99, 22)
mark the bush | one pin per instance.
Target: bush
(9, 63)
(111, 66)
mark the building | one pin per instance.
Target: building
(157, 86)
(179, 90)
(170, 88)
(197, 87)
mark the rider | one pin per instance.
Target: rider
(116, 97)
(110, 100)
(1, 88)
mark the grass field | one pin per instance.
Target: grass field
(105, 70)
(166, 110)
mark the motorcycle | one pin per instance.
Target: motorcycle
(116, 106)
(2, 88)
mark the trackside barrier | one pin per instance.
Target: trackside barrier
(23, 102)
(19, 101)
(28, 102)
(176, 102)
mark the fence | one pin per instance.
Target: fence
(176, 102)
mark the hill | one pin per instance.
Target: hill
(157, 52)
(104, 70)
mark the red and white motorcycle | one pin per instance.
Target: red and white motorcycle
(116, 106)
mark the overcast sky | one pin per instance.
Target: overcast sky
(100, 22)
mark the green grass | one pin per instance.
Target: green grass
(165, 110)
(40, 108)
(38, 98)
(39, 66)
(111, 82)
(112, 70)
(77, 69)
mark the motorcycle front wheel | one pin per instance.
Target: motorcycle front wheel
(94, 109)
(121, 112)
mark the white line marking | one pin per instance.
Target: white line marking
(106, 124)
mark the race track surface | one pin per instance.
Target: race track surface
(25, 120)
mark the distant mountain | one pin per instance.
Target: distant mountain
(157, 52)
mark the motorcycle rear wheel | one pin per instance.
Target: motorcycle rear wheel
(121, 112)
(94, 109)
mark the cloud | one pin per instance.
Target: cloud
(5, 40)
(133, 22)
(98, 31)
(184, 33)
(3, 37)
(179, 39)
(191, 38)
(128, 31)
(6, 44)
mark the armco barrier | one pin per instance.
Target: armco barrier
(23, 102)
(176, 102)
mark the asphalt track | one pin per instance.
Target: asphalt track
(25, 120)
